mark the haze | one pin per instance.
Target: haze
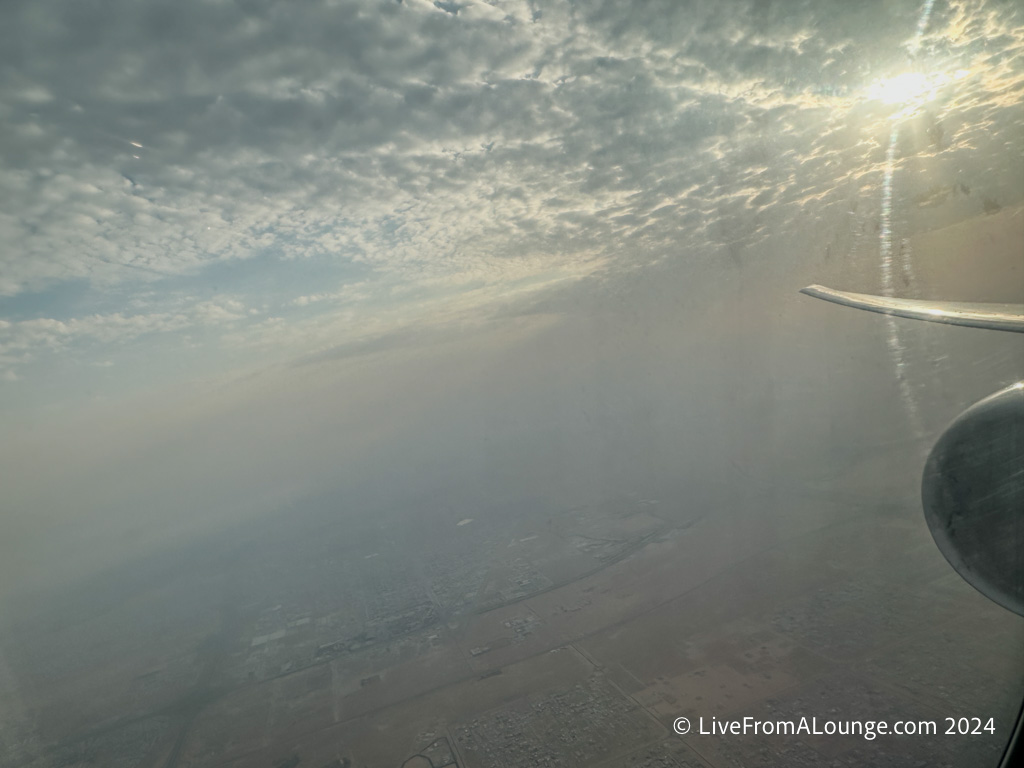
(359, 272)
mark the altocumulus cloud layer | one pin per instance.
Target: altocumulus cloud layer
(281, 179)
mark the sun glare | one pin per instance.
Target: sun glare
(908, 89)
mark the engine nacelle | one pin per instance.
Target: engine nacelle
(973, 495)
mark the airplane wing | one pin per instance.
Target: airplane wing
(997, 317)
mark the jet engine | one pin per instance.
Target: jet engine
(973, 496)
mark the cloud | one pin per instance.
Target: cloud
(351, 292)
(168, 146)
(25, 339)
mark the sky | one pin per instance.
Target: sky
(252, 250)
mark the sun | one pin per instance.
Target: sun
(908, 89)
(902, 89)
(911, 90)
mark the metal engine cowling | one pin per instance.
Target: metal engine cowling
(973, 496)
